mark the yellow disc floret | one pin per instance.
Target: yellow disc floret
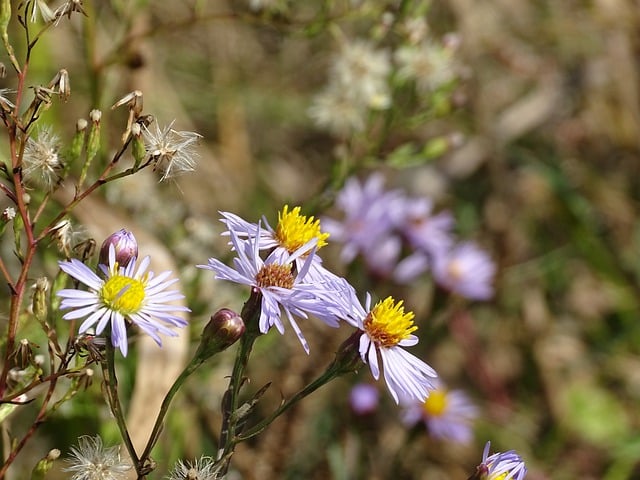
(436, 403)
(294, 230)
(387, 324)
(123, 294)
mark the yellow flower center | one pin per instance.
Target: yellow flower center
(502, 476)
(275, 275)
(436, 403)
(387, 324)
(123, 294)
(294, 230)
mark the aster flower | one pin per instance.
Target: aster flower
(91, 461)
(364, 398)
(500, 466)
(425, 231)
(292, 232)
(124, 295)
(369, 214)
(386, 328)
(171, 151)
(282, 287)
(466, 270)
(203, 468)
(41, 163)
(447, 414)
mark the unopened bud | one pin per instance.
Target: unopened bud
(224, 329)
(138, 148)
(93, 140)
(125, 246)
(77, 143)
(39, 305)
(44, 465)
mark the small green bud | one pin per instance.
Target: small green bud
(93, 141)
(39, 304)
(77, 143)
(5, 17)
(138, 148)
(44, 465)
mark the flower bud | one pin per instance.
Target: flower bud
(125, 246)
(39, 303)
(45, 464)
(224, 328)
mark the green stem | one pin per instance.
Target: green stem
(111, 383)
(251, 316)
(332, 372)
(157, 427)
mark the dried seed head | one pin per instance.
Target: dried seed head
(41, 162)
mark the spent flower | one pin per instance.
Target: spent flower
(90, 460)
(41, 162)
(172, 152)
(203, 468)
(124, 295)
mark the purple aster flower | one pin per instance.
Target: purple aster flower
(124, 295)
(369, 211)
(447, 414)
(283, 287)
(466, 270)
(386, 328)
(292, 232)
(425, 231)
(500, 466)
(364, 398)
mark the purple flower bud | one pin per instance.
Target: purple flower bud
(125, 246)
(223, 330)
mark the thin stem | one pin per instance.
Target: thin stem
(164, 408)
(332, 372)
(250, 315)
(111, 383)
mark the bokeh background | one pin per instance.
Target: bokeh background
(532, 144)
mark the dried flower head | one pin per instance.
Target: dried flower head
(90, 460)
(41, 162)
(171, 152)
(203, 468)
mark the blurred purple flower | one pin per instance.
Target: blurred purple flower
(447, 414)
(368, 215)
(466, 270)
(364, 398)
(425, 231)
